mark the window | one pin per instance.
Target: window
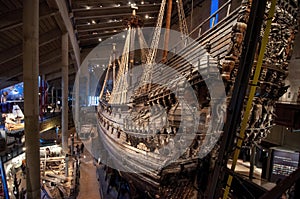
(213, 8)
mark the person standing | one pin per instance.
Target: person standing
(81, 147)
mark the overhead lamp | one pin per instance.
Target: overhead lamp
(115, 30)
(147, 16)
(88, 23)
(133, 6)
(93, 22)
(123, 36)
(88, 7)
(111, 37)
(99, 39)
(129, 2)
(142, 2)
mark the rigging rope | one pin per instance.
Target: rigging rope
(182, 22)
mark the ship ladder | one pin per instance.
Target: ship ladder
(253, 86)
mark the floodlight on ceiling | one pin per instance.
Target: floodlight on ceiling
(133, 6)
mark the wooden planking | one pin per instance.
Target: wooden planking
(9, 4)
(15, 51)
(17, 3)
(16, 32)
(3, 7)
(47, 48)
(14, 18)
(7, 66)
(47, 24)
(14, 37)
(10, 38)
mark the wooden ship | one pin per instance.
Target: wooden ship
(163, 161)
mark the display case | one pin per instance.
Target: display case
(283, 163)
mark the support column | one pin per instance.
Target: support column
(31, 98)
(64, 93)
(56, 95)
(77, 107)
(87, 89)
(52, 95)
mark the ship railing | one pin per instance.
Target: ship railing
(199, 29)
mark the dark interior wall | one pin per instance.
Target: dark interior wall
(283, 136)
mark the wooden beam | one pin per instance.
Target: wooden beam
(100, 27)
(17, 51)
(101, 23)
(15, 18)
(100, 35)
(66, 26)
(95, 15)
(93, 42)
(108, 26)
(121, 9)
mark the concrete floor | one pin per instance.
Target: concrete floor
(89, 186)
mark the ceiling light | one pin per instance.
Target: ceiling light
(146, 16)
(88, 23)
(94, 33)
(118, 5)
(88, 7)
(142, 2)
(129, 2)
(123, 36)
(93, 22)
(115, 30)
(99, 39)
(111, 37)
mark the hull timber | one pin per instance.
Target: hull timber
(159, 176)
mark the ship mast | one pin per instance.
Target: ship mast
(121, 84)
(110, 66)
(167, 33)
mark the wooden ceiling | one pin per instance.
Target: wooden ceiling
(88, 22)
(99, 20)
